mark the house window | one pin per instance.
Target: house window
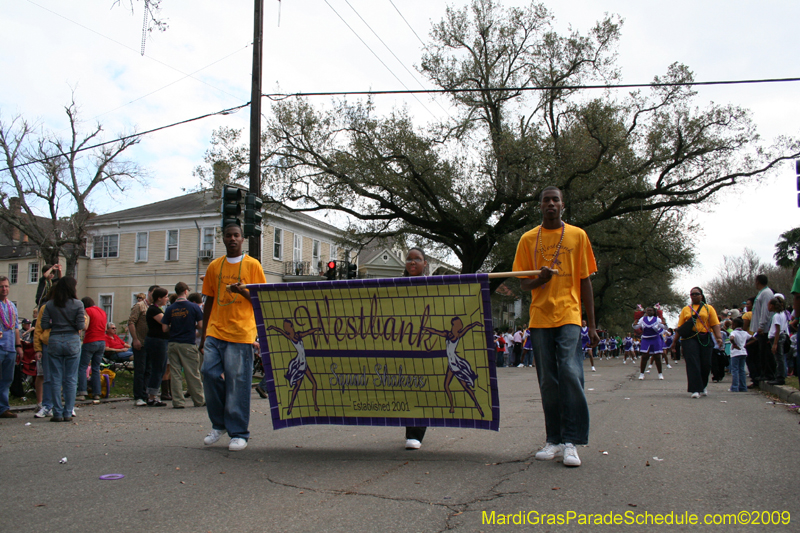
(172, 245)
(333, 252)
(13, 273)
(141, 246)
(208, 239)
(33, 272)
(106, 304)
(106, 246)
(298, 248)
(315, 256)
(277, 245)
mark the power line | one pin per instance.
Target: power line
(151, 58)
(408, 91)
(407, 24)
(228, 111)
(393, 54)
(282, 96)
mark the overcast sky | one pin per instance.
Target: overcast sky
(202, 63)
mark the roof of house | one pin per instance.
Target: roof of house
(201, 202)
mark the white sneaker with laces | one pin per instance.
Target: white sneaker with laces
(661, 376)
(413, 444)
(214, 436)
(625, 362)
(641, 376)
(669, 365)
(237, 444)
(695, 395)
(520, 365)
(705, 392)
(593, 370)
(549, 452)
(571, 455)
(140, 403)
(647, 371)
(43, 413)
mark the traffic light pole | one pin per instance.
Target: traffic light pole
(255, 117)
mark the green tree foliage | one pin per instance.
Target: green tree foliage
(469, 184)
(787, 249)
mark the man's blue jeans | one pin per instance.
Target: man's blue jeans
(91, 352)
(559, 368)
(7, 361)
(228, 399)
(64, 355)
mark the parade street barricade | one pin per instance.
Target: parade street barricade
(413, 351)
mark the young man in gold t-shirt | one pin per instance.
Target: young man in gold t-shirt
(564, 256)
(229, 330)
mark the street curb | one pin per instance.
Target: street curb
(787, 394)
(22, 408)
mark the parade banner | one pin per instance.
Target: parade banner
(413, 351)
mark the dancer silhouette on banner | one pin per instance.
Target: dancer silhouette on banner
(457, 366)
(298, 367)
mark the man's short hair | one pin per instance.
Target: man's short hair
(46, 267)
(762, 279)
(232, 225)
(3, 278)
(550, 188)
(152, 288)
(195, 297)
(181, 287)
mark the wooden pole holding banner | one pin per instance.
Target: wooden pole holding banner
(520, 274)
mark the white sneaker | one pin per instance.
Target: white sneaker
(520, 365)
(625, 362)
(571, 455)
(593, 370)
(237, 444)
(695, 395)
(649, 367)
(140, 403)
(413, 444)
(641, 376)
(550, 452)
(214, 436)
(661, 376)
(669, 365)
(73, 413)
(43, 413)
(647, 371)
(705, 392)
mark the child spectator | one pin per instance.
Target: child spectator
(738, 338)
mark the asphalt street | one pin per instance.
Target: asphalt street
(653, 451)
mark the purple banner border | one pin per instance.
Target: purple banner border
(278, 423)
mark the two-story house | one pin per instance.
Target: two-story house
(175, 240)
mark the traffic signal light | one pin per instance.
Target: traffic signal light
(352, 271)
(231, 196)
(252, 215)
(330, 274)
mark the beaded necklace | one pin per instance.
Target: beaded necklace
(554, 259)
(7, 315)
(219, 282)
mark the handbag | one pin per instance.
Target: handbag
(687, 329)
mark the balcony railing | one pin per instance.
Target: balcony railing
(299, 268)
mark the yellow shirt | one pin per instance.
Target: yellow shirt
(557, 302)
(232, 318)
(749, 316)
(708, 317)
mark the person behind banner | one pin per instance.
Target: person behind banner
(415, 266)
(555, 322)
(226, 341)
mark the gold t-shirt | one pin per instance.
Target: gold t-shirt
(232, 318)
(708, 317)
(557, 302)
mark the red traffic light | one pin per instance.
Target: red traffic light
(331, 264)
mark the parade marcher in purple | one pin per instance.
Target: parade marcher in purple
(652, 343)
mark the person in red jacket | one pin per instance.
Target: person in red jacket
(94, 345)
(116, 349)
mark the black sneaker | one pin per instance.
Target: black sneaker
(261, 392)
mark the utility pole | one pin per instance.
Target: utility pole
(255, 118)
